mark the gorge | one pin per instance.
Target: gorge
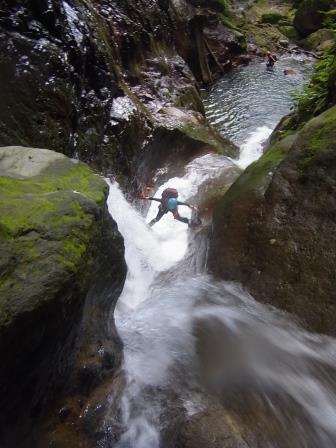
(114, 334)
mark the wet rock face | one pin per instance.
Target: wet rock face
(274, 230)
(87, 78)
(56, 84)
(53, 220)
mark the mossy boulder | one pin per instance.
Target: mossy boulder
(289, 31)
(52, 218)
(274, 230)
(310, 16)
(321, 40)
(272, 18)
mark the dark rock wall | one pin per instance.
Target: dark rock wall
(63, 62)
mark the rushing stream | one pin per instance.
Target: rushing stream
(188, 339)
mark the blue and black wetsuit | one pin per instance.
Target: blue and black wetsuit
(169, 206)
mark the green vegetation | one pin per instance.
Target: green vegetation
(221, 6)
(316, 96)
(329, 19)
(272, 18)
(59, 176)
(318, 136)
(289, 32)
(257, 176)
(204, 133)
(48, 228)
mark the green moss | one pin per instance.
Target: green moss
(319, 136)
(264, 36)
(329, 19)
(48, 226)
(257, 176)
(72, 254)
(208, 136)
(221, 6)
(290, 32)
(317, 95)
(59, 176)
(271, 17)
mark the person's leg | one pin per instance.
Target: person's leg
(178, 217)
(161, 212)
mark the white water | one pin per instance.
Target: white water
(252, 148)
(244, 343)
(156, 316)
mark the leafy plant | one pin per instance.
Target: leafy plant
(329, 20)
(316, 96)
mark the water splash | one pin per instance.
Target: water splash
(195, 336)
(252, 148)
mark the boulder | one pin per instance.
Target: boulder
(272, 18)
(289, 72)
(290, 32)
(274, 230)
(180, 135)
(53, 219)
(309, 16)
(212, 428)
(320, 40)
(284, 43)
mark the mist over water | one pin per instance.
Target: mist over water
(189, 341)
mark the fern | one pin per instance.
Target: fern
(315, 96)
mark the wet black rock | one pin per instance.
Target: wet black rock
(87, 79)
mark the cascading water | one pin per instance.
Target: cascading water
(188, 339)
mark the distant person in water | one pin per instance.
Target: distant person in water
(271, 59)
(168, 203)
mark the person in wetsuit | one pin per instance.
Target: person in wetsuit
(271, 60)
(169, 204)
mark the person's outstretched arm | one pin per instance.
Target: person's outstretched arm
(185, 203)
(153, 199)
(149, 198)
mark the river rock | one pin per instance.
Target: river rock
(212, 428)
(289, 71)
(284, 43)
(53, 220)
(287, 196)
(246, 422)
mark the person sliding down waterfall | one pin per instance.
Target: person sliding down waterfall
(169, 203)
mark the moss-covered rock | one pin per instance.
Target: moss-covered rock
(321, 40)
(52, 218)
(274, 229)
(290, 32)
(272, 18)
